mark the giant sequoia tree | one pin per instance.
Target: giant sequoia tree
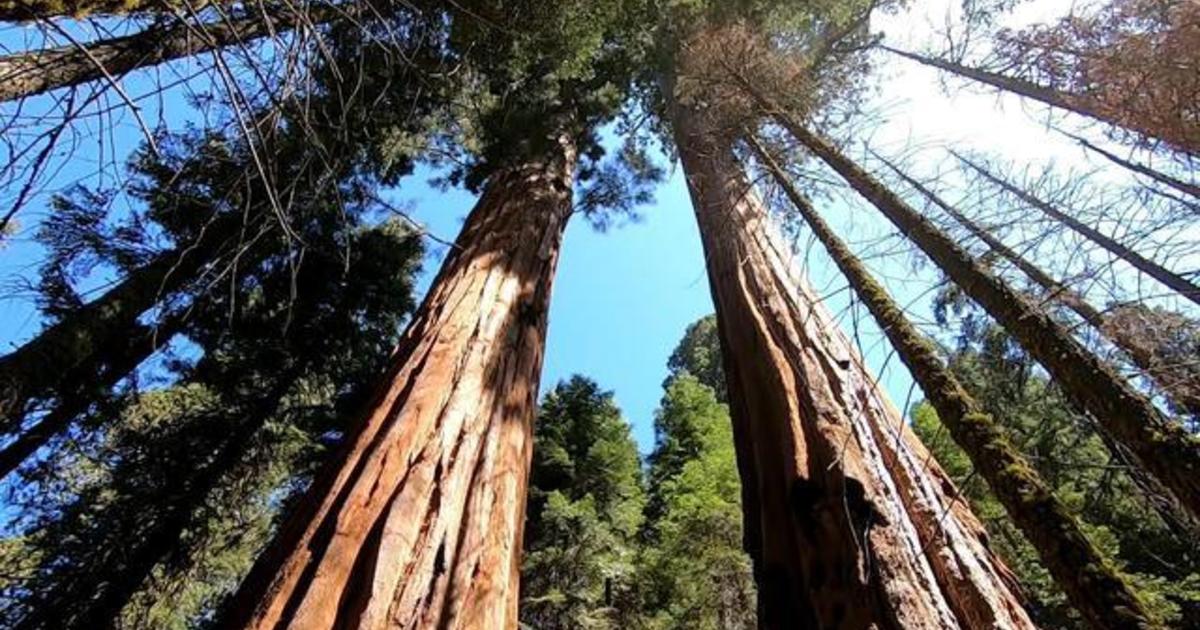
(846, 523)
(418, 521)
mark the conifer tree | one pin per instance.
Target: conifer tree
(583, 513)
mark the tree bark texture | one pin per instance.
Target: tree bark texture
(1163, 448)
(35, 72)
(418, 523)
(848, 519)
(74, 347)
(1075, 103)
(1103, 598)
(1168, 278)
(1178, 385)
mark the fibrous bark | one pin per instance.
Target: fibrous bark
(35, 72)
(1167, 277)
(1178, 384)
(1076, 103)
(849, 521)
(43, 367)
(418, 522)
(1102, 596)
(1162, 447)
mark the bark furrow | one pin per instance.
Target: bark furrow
(417, 524)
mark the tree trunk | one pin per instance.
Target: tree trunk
(93, 381)
(96, 598)
(418, 523)
(42, 367)
(28, 10)
(1168, 278)
(1092, 586)
(35, 72)
(1076, 103)
(1179, 386)
(1164, 448)
(1141, 169)
(849, 522)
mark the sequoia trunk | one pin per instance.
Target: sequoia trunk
(849, 521)
(418, 522)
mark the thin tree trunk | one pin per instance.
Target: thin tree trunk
(1180, 388)
(1168, 278)
(93, 381)
(35, 72)
(1076, 103)
(1164, 448)
(42, 367)
(1091, 584)
(418, 523)
(96, 601)
(24, 10)
(849, 523)
(1141, 169)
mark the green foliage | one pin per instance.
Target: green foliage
(583, 513)
(599, 554)
(694, 573)
(1074, 461)
(699, 354)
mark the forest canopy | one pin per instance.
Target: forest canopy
(599, 314)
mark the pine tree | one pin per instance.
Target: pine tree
(583, 513)
(694, 573)
(1067, 451)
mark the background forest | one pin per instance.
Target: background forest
(385, 314)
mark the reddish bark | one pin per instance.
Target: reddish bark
(849, 521)
(418, 522)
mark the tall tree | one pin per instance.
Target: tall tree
(583, 513)
(1065, 448)
(844, 522)
(418, 521)
(1102, 596)
(310, 322)
(699, 354)
(1163, 447)
(225, 200)
(1178, 379)
(693, 572)
(1167, 277)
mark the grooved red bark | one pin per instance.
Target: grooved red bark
(418, 522)
(850, 523)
